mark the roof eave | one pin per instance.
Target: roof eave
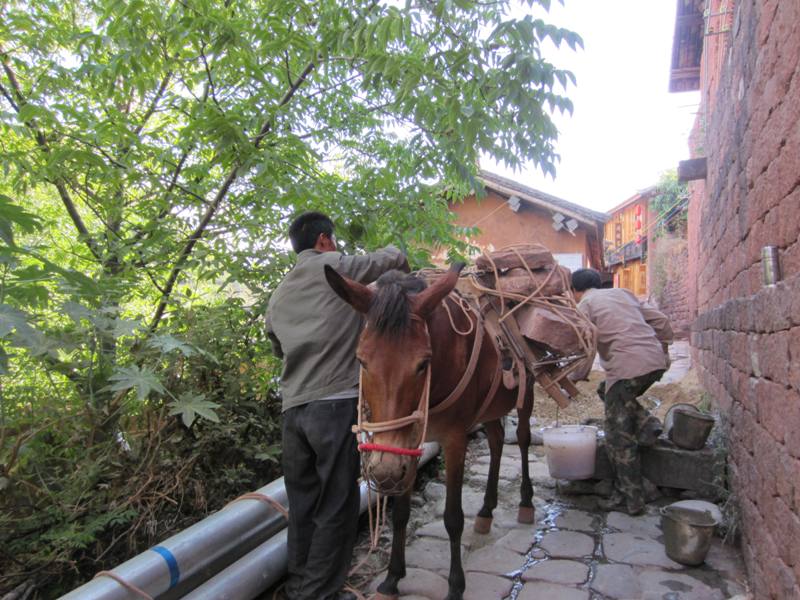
(542, 203)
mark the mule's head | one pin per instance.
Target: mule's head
(395, 353)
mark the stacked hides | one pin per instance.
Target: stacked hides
(547, 327)
(531, 273)
(526, 296)
(524, 270)
(535, 256)
(546, 281)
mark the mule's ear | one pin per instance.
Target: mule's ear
(428, 299)
(355, 294)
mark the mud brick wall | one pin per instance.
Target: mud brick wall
(746, 338)
(668, 259)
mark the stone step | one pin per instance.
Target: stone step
(666, 465)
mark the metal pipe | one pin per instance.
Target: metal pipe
(262, 568)
(250, 575)
(179, 564)
(182, 562)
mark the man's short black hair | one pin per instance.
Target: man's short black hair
(305, 229)
(584, 279)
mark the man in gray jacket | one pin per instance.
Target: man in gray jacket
(316, 333)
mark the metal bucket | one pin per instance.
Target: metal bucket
(687, 534)
(690, 430)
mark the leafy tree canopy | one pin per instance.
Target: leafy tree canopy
(152, 152)
(168, 140)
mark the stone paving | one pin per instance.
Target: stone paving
(573, 551)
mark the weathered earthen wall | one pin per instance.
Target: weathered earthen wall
(500, 226)
(746, 338)
(668, 260)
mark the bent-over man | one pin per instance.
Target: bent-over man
(316, 333)
(632, 340)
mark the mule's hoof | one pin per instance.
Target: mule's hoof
(526, 515)
(379, 596)
(483, 524)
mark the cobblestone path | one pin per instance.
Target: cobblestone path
(572, 552)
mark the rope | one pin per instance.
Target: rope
(466, 377)
(555, 304)
(465, 309)
(355, 592)
(377, 521)
(127, 585)
(263, 498)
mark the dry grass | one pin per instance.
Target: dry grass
(658, 399)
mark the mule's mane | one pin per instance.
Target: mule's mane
(390, 308)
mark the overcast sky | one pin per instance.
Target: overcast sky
(627, 128)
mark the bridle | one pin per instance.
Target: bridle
(420, 415)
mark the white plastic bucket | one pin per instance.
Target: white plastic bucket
(571, 451)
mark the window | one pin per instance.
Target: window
(572, 261)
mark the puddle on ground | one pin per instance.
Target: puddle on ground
(548, 525)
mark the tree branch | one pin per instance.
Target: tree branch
(265, 129)
(211, 88)
(189, 246)
(154, 104)
(41, 141)
(8, 97)
(212, 208)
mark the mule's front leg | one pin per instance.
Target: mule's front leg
(494, 432)
(454, 452)
(397, 563)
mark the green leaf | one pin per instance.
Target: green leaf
(10, 319)
(11, 214)
(189, 406)
(166, 343)
(142, 379)
(270, 454)
(125, 327)
(77, 312)
(28, 112)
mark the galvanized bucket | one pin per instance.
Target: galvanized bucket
(687, 533)
(690, 429)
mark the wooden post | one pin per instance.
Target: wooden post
(690, 170)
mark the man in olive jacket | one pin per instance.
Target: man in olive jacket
(316, 333)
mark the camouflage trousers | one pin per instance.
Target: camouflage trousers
(625, 417)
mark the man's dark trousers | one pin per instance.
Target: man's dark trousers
(320, 468)
(624, 418)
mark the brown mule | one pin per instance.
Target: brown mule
(413, 360)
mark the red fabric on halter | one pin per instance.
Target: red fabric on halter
(390, 449)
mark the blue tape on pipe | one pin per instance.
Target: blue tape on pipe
(172, 563)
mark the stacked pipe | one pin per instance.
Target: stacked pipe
(234, 554)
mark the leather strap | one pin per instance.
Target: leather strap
(470, 371)
(498, 376)
(523, 383)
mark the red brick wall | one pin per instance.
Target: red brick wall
(746, 338)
